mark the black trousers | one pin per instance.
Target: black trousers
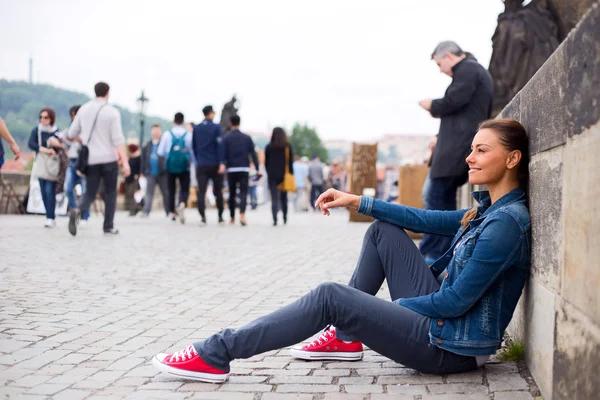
(109, 173)
(388, 328)
(184, 188)
(279, 201)
(237, 180)
(203, 174)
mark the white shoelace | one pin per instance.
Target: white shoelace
(325, 336)
(184, 354)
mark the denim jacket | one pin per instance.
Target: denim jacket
(486, 270)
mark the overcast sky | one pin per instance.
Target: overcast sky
(352, 69)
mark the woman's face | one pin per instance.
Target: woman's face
(44, 118)
(488, 159)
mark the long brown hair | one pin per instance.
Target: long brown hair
(279, 139)
(512, 136)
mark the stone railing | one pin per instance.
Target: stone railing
(558, 316)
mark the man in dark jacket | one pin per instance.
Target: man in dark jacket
(466, 103)
(207, 143)
(154, 169)
(239, 148)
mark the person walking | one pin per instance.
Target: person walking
(98, 126)
(155, 171)
(132, 183)
(467, 102)
(207, 143)
(301, 176)
(5, 134)
(278, 153)
(470, 294)
(175, 145)
(71, 177)
(239, 149)
(41, 141)
(316, 179)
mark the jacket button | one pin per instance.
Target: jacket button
(446, 276)
(439, 341)
(441, 323)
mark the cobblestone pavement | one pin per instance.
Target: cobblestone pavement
(80, 318)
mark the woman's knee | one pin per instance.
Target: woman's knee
(386, 228)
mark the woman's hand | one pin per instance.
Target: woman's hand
(48, 151)
(334, 198)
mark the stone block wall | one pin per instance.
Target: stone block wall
(558, 316)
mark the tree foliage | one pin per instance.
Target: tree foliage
(21, 102)
(306, 142)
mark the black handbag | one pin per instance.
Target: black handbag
(84, 153)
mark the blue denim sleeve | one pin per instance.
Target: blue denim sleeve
(445, 223)
(496, 249)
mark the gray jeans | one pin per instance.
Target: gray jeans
(152, 181)
(389, 329)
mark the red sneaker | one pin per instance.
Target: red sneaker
(328, 347)
(188, 364)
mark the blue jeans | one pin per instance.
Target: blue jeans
(71, 180)
(48, 190)
(253, 196)
(441, 196)
(389, 329)
(315, 192)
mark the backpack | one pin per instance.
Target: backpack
(178, 160)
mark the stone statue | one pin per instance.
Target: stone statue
(229, 110)
(524, 39)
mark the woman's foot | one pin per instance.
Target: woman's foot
(329, 347)
(187, 364)
(50, 223)
(243, 219)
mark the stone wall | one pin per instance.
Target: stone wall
(558, 316)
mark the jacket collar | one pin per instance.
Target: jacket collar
(486, 207)
(469, 58)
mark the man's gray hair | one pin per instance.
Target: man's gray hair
(447, 46)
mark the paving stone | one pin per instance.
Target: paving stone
(345, 396)
(31, 380)
(472, 376)
(331, 372)
(506, 382)
(455, 397)
(242, 387)
(392, 397)
(320, 380)
(411, 379)
(71, 394)
(407, 389)
(466, 388)
(47, 389)
(364, 388)
(293, 388)
(355, 364)
(502, 368)
(247, 379)
(524, 395)
(222, 396)
(198, 387)
(283, 372)
(357, 380)
(286, 396)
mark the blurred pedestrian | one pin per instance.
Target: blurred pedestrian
(71, 178)
(302, 185)
(207, 143)
(5, 134)
(132, 184)
(278, 153)
(98, 124)
(239, 149)
(47, 161)
(176, 146)
(466, 103)
(154, 170)
(316, 178)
